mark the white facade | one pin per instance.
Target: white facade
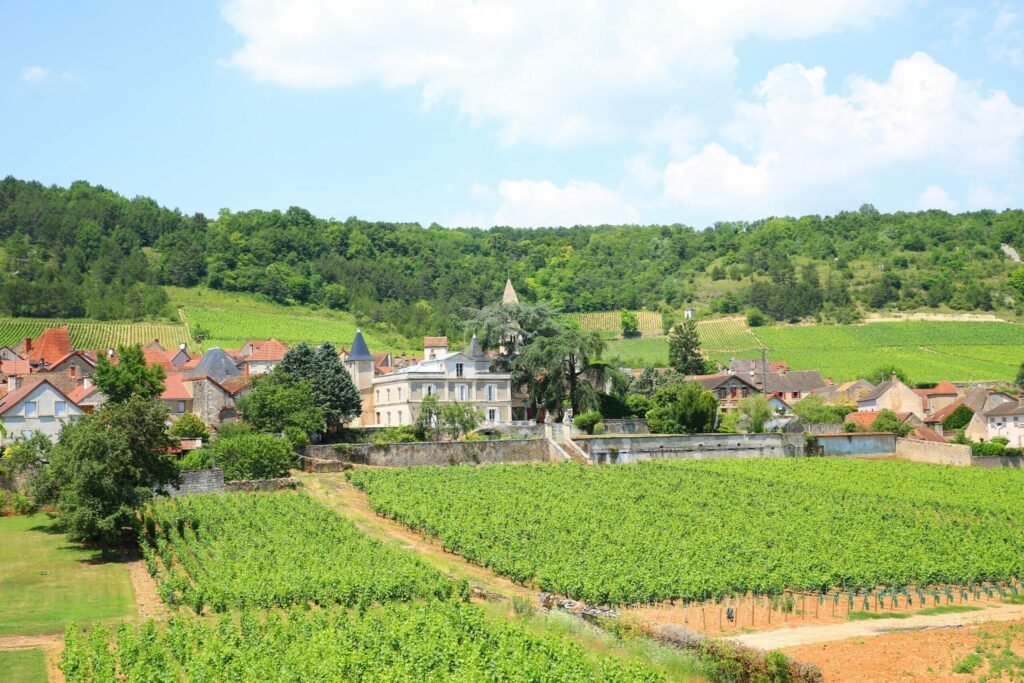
(395, 398)
(42, 410)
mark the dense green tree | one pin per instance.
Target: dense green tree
(130, 376)
(958, 419)
(252, 456)
(684, 353)
(888, 421)
(813, 410)
(458, 419)
(682, 407)
(555, 368)
(885, 373)
(646, 383)
(278, 401)
(330, 385)
(629, 323)
(105, 465)
(754, 412)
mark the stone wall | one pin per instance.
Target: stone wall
(997, 462)
(199, 481)
(432, 453)
(936, 453)
(255, 485)
(625, 449)
(857, 443)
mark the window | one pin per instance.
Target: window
(181, 406)
(399, 395)
(461, 392)
(378, 417)
(429, 390)
(492, 392)
(389, 418)
(458, 369)
(60, 408)
(795, 394)
(387, 392)
(27, 433)
(31, 409)
(721, 393)
(378, 396)
(492, 414)
(745, 392)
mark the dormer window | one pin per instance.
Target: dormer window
(458, 369)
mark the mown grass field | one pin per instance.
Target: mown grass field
(231, 319)
(46, 581)
(23, 666)
(91, 334)
(928, 351)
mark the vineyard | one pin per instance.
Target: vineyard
(928, 351)
(656, 531)
(87, 334)
(239, 551)
(432, 641)
(611, 322)
(262, 560)
(229, 319)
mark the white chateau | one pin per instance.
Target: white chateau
(392, 395)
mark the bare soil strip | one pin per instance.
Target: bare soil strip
(148, 604)
(808, 635)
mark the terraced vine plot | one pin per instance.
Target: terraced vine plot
(649, 322)
(693, 530)
(86, 334)
(274, 550)
(433, 641)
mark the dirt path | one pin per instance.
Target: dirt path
(148, 604)
(808, 635)
(52, 644)
(336, 492)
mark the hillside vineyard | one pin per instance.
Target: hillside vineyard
(658, 531)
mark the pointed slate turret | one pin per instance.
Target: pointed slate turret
(359, 351)
(510, 296)
(215, 364)
(474, 351)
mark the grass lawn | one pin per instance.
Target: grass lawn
(23, 666)
(47, 581)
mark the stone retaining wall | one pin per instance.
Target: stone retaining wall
(626, 449)
(194, 482)
(933, 452)
(997, 461)
(256, 485)
(438, 453)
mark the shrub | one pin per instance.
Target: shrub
(198, 459)
(189, 426)
(588, 421)
(757, 319)
(399, 434)
(638, 404)
(253, 456)
(296, 436)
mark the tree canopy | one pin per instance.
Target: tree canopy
(130, 376)
(682, 407)
(330, 385)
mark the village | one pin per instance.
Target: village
(47, 383)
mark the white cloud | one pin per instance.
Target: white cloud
(34, 73)
(806, 147)
(557, 72)
(983, 196)
(1005, 40)
(934, 197)
(540, 203)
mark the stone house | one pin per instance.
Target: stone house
(893, 395)
(730, 389)
(76, 364)
(1004, 420)
(844, 392)
(260, 357)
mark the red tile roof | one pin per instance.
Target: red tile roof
(926, 434)
(81, 393)
(159, 357)
(15, 367)
(865, 418)
(175, 389)
(52, 345)
(435, 342)
(270, 350)
(943, 388)
(82, 354)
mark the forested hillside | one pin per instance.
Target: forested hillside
(85, 251)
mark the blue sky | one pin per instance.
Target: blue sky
(525, 113)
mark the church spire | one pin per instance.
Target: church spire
(510, 296)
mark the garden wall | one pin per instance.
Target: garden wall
(997, 461)
(199, 481)
(256, 485)
(936, 453)
(625, 449)
(432, 453)
(857, 443)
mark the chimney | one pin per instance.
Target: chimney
(28, 344)
(72, 371)
(894, 379)
(245, 371)
(12, 383)
(86, 382)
